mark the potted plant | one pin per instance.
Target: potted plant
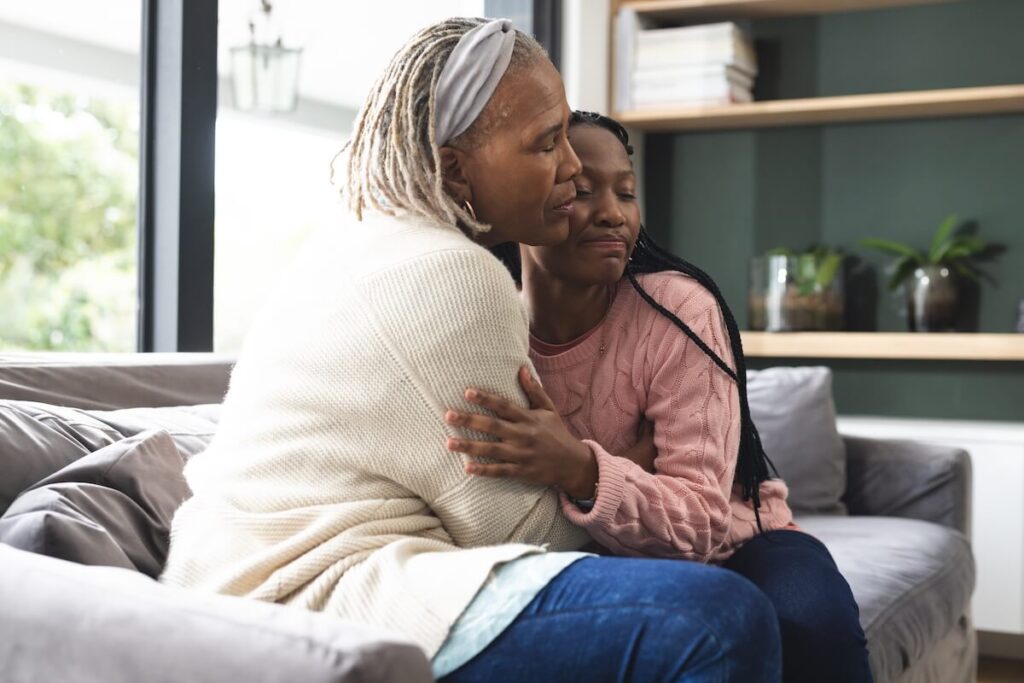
(934, 279)
(796, 291)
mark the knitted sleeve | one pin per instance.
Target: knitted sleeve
(682, 510)
(462, 326)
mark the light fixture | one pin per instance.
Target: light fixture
(264, 73)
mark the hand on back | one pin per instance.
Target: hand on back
(533, 444)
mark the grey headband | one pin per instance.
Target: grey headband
(470, 76)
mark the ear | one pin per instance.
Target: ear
(455, 174)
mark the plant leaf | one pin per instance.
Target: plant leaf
(966, 272)
(961, 247)
(942, 236)
(892, 247)
(972, 242)
(829, 268)
(902, 269)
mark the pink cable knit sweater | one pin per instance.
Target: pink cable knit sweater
(638, 363)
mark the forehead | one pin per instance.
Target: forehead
(531, 97)
(599, 149)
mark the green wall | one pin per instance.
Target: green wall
(719, 198)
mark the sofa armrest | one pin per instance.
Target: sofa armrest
(63, 621)
(899, 478)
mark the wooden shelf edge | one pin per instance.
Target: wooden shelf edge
(996, 99)
(884, 345)
(695, 10)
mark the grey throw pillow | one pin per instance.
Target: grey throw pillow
(39, 439)
(796, 417)
(112, 507)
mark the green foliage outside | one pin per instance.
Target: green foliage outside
(68, 187)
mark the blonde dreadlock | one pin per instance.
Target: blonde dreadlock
(392, 160)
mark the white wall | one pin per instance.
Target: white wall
(585, 60)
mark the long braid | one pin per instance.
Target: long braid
(752, 463)
(392, 161)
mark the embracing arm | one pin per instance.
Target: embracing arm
(464, 327)
(682, 510)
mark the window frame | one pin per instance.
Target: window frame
(178, 88)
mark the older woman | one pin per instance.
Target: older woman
(328, 484)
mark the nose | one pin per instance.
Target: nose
(608, 211)
(571, 165)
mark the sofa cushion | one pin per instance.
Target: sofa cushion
(39, 439)
(106, 381)
(112, 507)
(64, 622)
(796, 417)
(191, 427)
(912, 581)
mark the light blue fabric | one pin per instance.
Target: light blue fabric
(511, 588)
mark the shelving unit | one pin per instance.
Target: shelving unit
(806, 111)
(883, 106)
(885, 345)
(818, 110)
(704, 10)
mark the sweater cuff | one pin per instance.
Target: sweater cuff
(611, 486)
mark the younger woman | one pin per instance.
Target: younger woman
(623, 333)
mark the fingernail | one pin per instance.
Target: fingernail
(472, 394)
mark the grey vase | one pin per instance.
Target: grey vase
(933, 298)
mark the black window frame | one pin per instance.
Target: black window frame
(176, 175)
(177, 162)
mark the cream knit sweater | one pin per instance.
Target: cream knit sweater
(328, 485)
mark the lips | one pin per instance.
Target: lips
(564, 203)
(610, 241)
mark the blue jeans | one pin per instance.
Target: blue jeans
(622, 619)
(819, 621)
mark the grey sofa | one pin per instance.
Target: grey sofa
(897, 530)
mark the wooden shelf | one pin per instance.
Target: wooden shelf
(702, 10)
(884, 345)
(999, 99)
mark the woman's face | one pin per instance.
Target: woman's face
(519, 176)
(605, 221)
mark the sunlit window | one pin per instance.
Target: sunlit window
(69, 140)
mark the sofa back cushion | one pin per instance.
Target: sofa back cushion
(796, 417)
(112, 507)
(101, 381)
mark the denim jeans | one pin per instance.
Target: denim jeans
(822, 639)
(622, 619)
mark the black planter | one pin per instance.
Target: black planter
(933, 300)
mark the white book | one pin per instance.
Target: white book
(666, 97)
(670, 76)
(739, 54)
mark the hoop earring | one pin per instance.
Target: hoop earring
(469, 208)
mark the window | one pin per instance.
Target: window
(69, 141)
(273, 184)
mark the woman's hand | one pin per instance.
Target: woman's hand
(643, 452)
(534, 445)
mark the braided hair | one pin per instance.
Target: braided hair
(753, 465)
(392, 161)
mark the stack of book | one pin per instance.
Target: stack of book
(712, 64)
